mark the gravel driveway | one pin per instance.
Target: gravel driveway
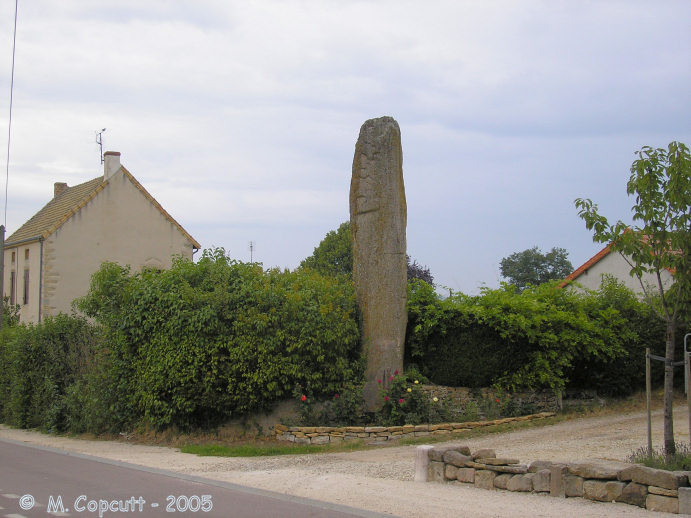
(382, 479)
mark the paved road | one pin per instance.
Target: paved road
(41, 482)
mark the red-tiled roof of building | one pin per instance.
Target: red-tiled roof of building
(587, 265)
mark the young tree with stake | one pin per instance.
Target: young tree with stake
(660, 239)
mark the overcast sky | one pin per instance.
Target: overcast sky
(240, 117)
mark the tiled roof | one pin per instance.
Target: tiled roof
(57, 211)
(70, 201)
(587, 265)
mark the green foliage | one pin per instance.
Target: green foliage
(345, 407)
(205, 341)
(532, 267)
(532, 339)
(41, 365)
(659, 240)
(10, 313)
(334, 255)
(404, 402)
(680, 460)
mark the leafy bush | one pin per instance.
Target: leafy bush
(345, 407)
(404, 402)
(205, 341)
(41, 364)
(534, 339)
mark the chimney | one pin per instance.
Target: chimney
(58, 187)
(111, 163)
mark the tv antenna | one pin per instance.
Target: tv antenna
(251, 247)
(99, 141)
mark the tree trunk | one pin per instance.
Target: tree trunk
(669, 446)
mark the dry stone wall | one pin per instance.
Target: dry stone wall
(634, 484)
(326, 434)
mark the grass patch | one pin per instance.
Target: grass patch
(680, 461)
(265, 448)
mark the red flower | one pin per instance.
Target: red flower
(386, 398)
(400, 401)
(379, 381)
(395, 373)
(497, 400)
(303, 398)
(335, 396)
(390, 378)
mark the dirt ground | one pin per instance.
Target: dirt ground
(382, 479)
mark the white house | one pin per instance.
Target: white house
(49, 260)
(607, 262)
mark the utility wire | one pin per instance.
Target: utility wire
(9, 123)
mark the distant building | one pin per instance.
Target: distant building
(606, 262)
(49, 260)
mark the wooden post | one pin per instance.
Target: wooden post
(687, 366)
(647, 400)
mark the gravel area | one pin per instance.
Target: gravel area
(382, 479)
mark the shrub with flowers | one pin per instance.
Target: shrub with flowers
(343, 408)
(404, 402)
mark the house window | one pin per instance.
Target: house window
(13, 286)
(26, 254)
(13, 257)
(26, 286)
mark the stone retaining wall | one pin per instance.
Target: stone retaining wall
(325, 434)
(634, 484)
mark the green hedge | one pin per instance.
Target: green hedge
(209, 340)
(542, 337)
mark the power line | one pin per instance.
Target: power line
(9, 123)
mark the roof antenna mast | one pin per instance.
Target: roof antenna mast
(99, 141)
(252, 246)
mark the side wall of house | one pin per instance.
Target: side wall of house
(614, 264)
(120, 225)
(23, 263)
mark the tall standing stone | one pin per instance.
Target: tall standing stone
(378, 222)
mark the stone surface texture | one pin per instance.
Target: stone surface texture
(603, 491)
(378, 218)
(634, 494)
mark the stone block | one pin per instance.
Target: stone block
(500, 481)
(441, 432)
(375, 429)
(466, 475)
(634, 494)
(437, 453)
(539, 465)
(654, 477)
(456, 458)
(541, 480)
(521, 483)
(435, 471)
(557, 474)
(484, 479)
(663, 504)
(484, 453)
(422, 460)
(321, 439)
(497, 461)
(450, 472)
(596, 470)
(685, 500)
(603, 491)
(654, 490)
(573, 485)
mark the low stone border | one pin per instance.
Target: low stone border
(634, 484)
(325, 434)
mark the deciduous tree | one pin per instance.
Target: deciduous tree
(659, 239)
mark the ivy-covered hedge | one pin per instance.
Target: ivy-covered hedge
(190, 346)
(542, 337)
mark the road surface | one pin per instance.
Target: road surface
(42, 482)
